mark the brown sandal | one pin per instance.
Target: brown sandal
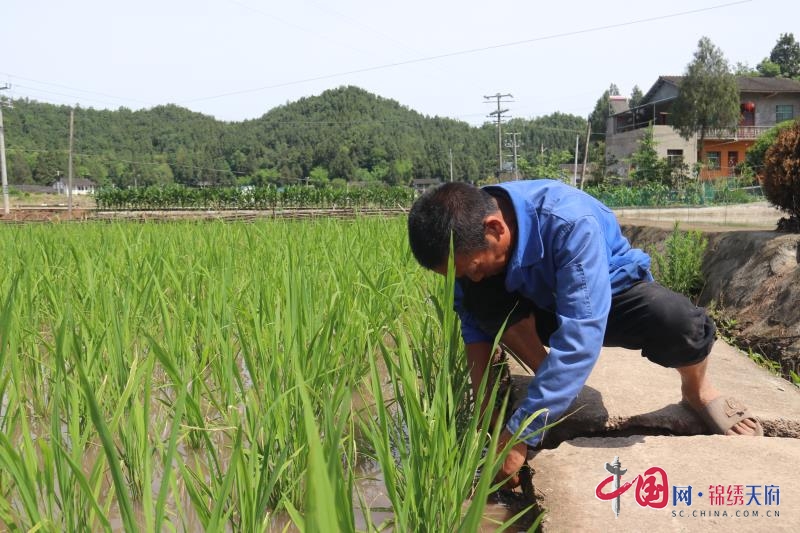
(721, 414)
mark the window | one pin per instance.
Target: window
(784, 112)
(675, 157)
(713, 160)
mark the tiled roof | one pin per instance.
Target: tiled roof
(747, 84)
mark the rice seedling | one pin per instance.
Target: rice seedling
(209, 376)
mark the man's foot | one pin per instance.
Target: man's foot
(726, 416)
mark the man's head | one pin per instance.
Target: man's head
(481, 236)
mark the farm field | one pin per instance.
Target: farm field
(232, 376)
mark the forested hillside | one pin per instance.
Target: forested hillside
(343, 134)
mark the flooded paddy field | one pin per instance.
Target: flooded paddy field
(235, 376)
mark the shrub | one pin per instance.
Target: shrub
(781, 181)
(679, 267)
(754, 158)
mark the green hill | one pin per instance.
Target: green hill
(344, 134)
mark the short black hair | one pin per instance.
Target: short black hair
(457, 208)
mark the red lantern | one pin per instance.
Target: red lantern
(749, 106)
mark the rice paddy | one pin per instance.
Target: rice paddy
(232, 377)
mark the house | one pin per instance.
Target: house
(764, 102)
(422, 185)
(79, 186)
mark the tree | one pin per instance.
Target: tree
(786, 54)
(781, 180)
(601, 112)
(319, 176)
(708, 97)
(757, 152)
(49, 166)
(19, 171)
(636, 97)
(768, 69)
(744, 69)
(645, 163)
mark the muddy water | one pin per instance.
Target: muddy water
(369, 488)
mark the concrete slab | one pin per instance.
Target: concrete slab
(724, 473)
(628, 395)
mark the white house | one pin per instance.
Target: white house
(79, 186)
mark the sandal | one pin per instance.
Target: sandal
(721, 414)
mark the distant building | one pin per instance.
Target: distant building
(764, 102)
(422, 185)
(79, 186)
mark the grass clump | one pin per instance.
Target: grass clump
(680, 266)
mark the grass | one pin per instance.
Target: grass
(213, 376)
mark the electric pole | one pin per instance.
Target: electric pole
(451, 164)
(514, 144)
(3, 156)
(575, 174)
(499, 115)
(69, 169)
(586, 151)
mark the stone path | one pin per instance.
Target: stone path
(628, 409)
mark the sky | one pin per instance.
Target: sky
(237, 59)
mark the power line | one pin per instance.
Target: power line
(470, 51)
(113, 97)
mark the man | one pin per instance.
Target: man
(554, 263)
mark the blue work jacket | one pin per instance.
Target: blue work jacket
(569, 257)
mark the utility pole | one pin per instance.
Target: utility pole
(586, 151)
(514, 144)
(451, 165)
(575, 173)
(499, 115)
(69, 168)
(3, 156)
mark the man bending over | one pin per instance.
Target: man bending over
(553, 260)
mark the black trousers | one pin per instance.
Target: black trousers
(666, 326)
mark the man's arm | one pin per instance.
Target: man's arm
(479, 356)
(583, 299)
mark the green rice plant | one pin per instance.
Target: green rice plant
(329, 484)
(428, 439)
(151, 375)
(680, 266)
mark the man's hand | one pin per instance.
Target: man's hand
(514, 460)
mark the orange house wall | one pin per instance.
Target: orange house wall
(723, 147)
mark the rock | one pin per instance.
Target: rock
(627, 394)
(566, 479)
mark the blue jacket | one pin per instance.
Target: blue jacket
(570, 257)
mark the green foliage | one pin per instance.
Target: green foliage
(354, 135)
(679, 267)
(781, 181)
(260, 198)
(602, 110)
(708, 97)
(636, 97)
(786, 54)
(744, 69)
(183, 377)
(647, 167)
(768, 69)
(754, 158)
(544, 165)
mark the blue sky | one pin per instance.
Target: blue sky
(236, 59)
